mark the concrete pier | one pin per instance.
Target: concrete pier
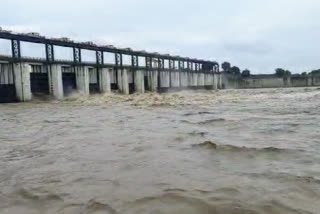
(209, 80)
(309, 80)
(152, 80)
(123, 81)
(189, 79)
(200, 80)
(139, 81)
(194, 80)
(55, 81)
(220, 83)
(287, 81)
(22, 81)
(105, 80)
(175, 79)
(164, 80)
(215, 81)
(82, 79)
(119, 79)
(184, 79)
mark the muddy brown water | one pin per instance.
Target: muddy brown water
(232, 151)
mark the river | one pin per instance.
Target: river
(191, 152)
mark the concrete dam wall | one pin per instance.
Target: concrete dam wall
(268, 81)
(122, 69)
(22, 81)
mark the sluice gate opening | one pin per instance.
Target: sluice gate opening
(68, 80)
(131, 81)
(7, 86)
(146, 83)
(39, 80)
(94, 81)
(114, 79)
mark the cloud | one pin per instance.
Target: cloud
(259, 35)
(248, 47)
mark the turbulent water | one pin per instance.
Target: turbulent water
(228, 152)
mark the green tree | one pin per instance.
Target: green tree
(287, 73)
(235, 70)
(226, 66)
(315, 72)
(280, 72)
(304, 74)
(246, 73)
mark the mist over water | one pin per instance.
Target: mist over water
(230, 151)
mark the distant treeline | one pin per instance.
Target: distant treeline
(227, 68)
(280, 72)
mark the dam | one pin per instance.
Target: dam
(22, 77)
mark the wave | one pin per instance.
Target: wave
(171, 203)
(211, 121)
(34, 195)
(206, 122)
(198, 113)
(92, 207)
(286, 177)
(56, 121)
(182, 203)
(97, 207)
(232, 148)
(198, 133)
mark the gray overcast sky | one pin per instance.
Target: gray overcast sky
(259, 35)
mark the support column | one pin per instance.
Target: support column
(22, 81)
(205, 79)
(164, 80)
(194, 79)
(309, 81)
(105, 80)
(220, 82)
(211, 75)
(209, 80)
(184, 79)
(139, 81)
(215, 81)
(189, 79)
(153, 80)
(123, 81)
(287, 81)
(119, 79)
(55, 81)
(175, 79)
(201, 80)
(82, 79)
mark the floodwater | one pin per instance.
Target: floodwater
(201, 152)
